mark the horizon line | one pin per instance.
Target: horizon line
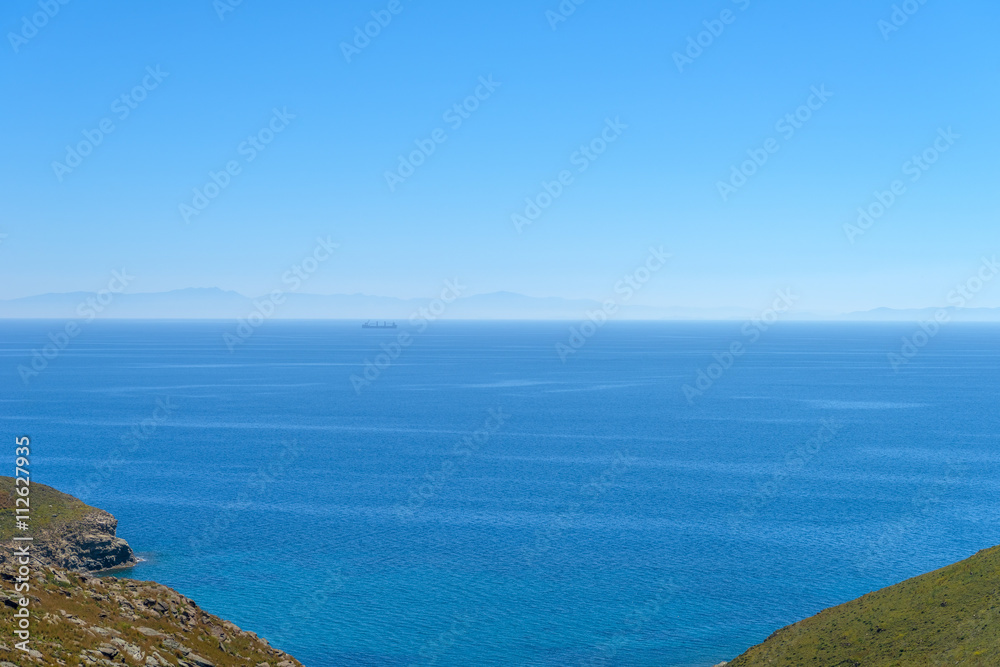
(815, 315)
(818, 320)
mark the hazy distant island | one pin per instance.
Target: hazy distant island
(77, 618)
(214, 303)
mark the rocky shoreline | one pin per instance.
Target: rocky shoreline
(78, 618)
(66, 533)
(90, 545)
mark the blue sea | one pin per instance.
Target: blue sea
(477, 500)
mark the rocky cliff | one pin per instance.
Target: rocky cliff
(77, 618)
(90, 546)
(66, 532)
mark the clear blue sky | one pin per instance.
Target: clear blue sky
(656, 184)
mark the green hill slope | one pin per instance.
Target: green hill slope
(50, 508)
(949, 616)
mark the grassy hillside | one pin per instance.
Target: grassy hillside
(49, 508)
(79, 619)
(84, 620)
(947, 617)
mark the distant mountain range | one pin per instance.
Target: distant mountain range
(214, 303)
(924, 314)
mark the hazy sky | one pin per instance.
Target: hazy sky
(203, 80)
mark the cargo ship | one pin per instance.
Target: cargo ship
(384, 325)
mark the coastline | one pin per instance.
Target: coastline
(73, 607)
(945, 616)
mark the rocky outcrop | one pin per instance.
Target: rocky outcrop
(81, 619)
(88, 545)
(65, 532)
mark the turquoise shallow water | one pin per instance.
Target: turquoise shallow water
(606, 521)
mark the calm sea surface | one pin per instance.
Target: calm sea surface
(606, 521)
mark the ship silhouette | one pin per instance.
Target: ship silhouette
(385, 325)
